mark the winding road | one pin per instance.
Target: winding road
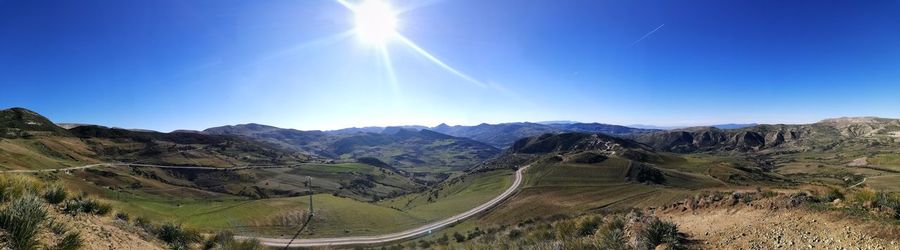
(341, 241)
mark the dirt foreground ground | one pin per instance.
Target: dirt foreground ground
(752, 228)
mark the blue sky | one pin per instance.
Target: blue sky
(170, 64)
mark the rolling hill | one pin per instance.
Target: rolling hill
(418, 150)
(573, 173)
(33, 141)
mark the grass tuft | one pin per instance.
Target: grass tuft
(55, 194)
(72, 241)
(177, 237)
(86, 205)
(21, 220)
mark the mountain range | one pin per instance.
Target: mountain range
(397, 146)
(415, 148)
(823, 135)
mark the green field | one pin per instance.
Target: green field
(453, 197)
(334, 216)
(566, 188)
(887, 183)
(165, 198)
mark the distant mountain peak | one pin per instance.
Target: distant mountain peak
(557, 122)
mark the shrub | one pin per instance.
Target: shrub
(832, 195)
(458, 237)
(144, 223)
(611, 234)
(176, 236)
(890, 202)
(122, 216)
(865, 197)
(658, 232)
(610, 225)
(799, 198)
(56, 227)
(21, 220)
(225, 241)
(72, 241)
(611, 239)
(587, 225)
(55, 194)
(86, 205)
(515, 234)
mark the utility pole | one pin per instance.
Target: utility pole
(308, 217)
(309, 190)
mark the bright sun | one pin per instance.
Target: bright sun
(375, 21)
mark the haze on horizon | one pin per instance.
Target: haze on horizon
(166, 65)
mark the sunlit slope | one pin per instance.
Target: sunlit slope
(573, 173)
(187, 198)
(31, 141)
(559, 187)
(453, 196)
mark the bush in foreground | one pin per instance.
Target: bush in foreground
(21, 220)
(24, 215)
(177, 237)
(87, 205)
(55, 195)
(617, 231)
(225, 241)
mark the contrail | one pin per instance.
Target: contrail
(646, 35)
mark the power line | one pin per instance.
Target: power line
(308, 217)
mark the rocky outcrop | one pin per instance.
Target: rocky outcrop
(817, 136)
(548, 143)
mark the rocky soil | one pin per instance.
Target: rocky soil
(769, 224)
(106, 233)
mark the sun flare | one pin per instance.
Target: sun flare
(375, 21)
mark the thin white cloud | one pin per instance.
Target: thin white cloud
(647, 35)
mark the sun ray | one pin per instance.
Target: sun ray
(416, 5)
(437, 61)
(375, 25)
(326, 40)
(347, 5)
(389, 66)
